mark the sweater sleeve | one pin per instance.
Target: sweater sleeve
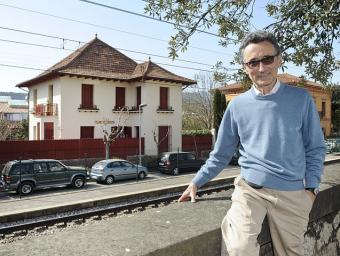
(224, 149)
(314, 144)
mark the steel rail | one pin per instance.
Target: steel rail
(113, 210)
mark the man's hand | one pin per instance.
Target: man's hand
(311, 195)
(190, 192)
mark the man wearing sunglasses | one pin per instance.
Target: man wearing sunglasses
(282, 151)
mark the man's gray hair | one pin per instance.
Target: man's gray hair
(258, 37)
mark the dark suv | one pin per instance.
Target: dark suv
(176, 162)
(28, 175)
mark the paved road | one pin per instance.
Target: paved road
(45, 199)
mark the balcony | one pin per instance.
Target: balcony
(47, 109)
(87, 108)
(162, 109)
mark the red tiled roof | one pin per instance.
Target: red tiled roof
(97, 59)
(5, 108)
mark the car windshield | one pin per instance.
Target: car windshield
(164, 157)
(100, 164)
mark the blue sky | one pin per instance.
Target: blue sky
(118, 29)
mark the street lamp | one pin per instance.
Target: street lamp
(140, 107)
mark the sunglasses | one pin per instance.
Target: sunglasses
(268, 60)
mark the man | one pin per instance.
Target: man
(282, 152)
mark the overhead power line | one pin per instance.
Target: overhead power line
(41, 69)
(147, 17)
(107, 27)
(62, 48)
(23, 67)
(81, 42)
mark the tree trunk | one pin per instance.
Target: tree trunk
(107, 151)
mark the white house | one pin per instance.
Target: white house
(97, 82)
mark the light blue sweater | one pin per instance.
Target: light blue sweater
(281, 141)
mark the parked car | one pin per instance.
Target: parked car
(28, 175)
(176, 162)
(111, 170)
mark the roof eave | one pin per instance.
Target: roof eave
(38, 80)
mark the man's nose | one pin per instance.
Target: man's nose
(262, 67)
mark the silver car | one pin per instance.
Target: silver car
(111, 170)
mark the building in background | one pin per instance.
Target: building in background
(322, 97)
(13, 109)
(96, 83)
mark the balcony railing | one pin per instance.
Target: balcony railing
(132, 109)
(87, 108)
(164, 109)
(48, 109)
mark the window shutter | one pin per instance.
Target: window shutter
(48, 130)
(120, 97)
(139, 96)
(87, 95)
(86, 132)
(163, 97)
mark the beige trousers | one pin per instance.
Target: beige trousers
(287, 212)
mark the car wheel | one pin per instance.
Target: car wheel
(141, 175)
(175, 171)
(25, 188)
(78, 182)
(109, 179)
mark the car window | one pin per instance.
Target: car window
(100, 164)
(56, 167)
(164, 157)
(40, 167)
(189, 157)
(15, 170)
(182, 157)
(26, 168)
(126, 164)
(114, 165)
(173, 157)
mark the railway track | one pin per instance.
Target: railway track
(62, 219)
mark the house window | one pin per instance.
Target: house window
(87, 96)
(126, 133)
(50, 94)
(163, 96)
(138, 100)
(323, 109)
(38, 131)
(35, 97)
(120, 97)
(164, 133)
(87, 132)
(34, 132)
(137, 131)
(48, 131)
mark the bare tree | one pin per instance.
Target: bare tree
(7, 129)
(111, 134)
(197, 104)
(159, 140)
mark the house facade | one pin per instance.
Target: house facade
(321, 96)
(98, 87)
